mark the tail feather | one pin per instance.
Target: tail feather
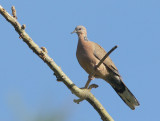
(127, 96)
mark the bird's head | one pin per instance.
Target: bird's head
(80, 30)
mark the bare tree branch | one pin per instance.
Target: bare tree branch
(42, 53)
(14, 12)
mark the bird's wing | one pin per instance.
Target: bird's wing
(118, 85)
(99, 53)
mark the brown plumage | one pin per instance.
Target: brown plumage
(89, 54)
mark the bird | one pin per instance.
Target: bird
(89, 55)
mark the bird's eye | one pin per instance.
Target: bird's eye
(79, 28)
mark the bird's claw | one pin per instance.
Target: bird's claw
(92, 86)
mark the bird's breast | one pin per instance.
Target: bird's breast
(85, 57)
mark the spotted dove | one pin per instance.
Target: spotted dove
(89, 55)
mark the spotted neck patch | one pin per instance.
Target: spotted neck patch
(85, 38)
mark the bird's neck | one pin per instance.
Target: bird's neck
(82, 43)
(82, 37)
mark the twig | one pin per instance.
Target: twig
(107, 54)
(14, 12)
(57, 70)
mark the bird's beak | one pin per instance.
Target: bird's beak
(74, 32)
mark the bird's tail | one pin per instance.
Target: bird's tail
(126, 95)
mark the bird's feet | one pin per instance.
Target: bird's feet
(90, 78)
(90, 87)
(85, 89)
